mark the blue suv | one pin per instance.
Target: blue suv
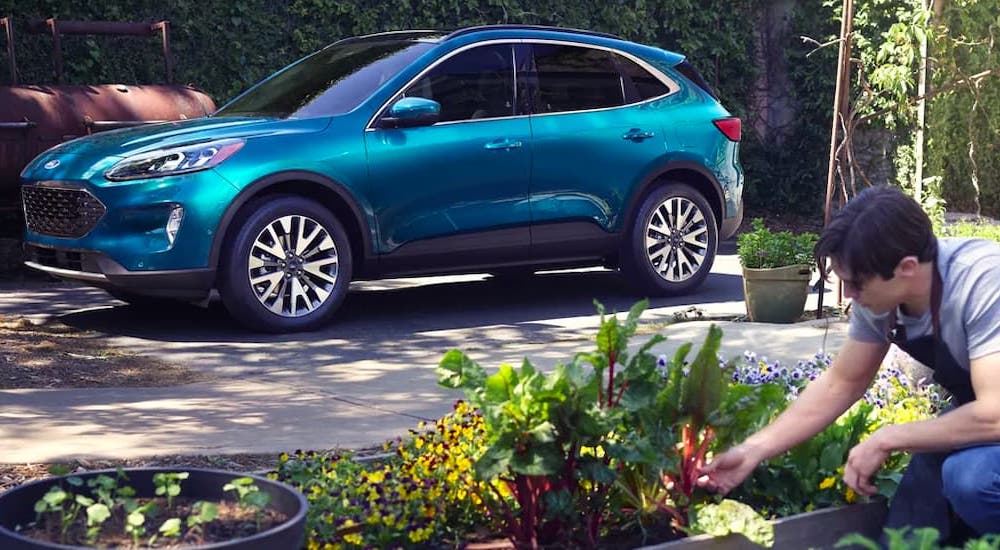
(500, 149)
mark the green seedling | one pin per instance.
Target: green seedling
(249, 496)
(169, 485)
(202, 513)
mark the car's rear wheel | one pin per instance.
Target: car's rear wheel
(288, 267)
(671, 245)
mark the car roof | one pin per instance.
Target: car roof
(472, 34)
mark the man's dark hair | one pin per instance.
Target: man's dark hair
(874, 231)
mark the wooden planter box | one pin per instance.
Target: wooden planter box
(820, 530)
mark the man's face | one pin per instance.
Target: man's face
(874, 293)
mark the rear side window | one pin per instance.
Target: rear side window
(693, 75)
(641, 82)
(574, 78)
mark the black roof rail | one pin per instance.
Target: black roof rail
(468, 30)
(393, 35)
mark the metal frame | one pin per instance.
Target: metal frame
(115, 28)
(8, 28)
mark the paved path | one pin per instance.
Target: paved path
(366, 378)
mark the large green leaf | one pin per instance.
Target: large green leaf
(457, 370)
(539, 460)
(705, 385)
(500, 386)
(730, 516)
(496, 460)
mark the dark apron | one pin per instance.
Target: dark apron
(919, 501)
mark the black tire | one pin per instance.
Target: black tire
(667, 267)
(298, 292)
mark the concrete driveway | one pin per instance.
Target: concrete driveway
(367, 377)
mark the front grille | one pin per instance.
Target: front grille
(60, 212)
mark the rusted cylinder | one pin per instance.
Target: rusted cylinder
(36, 117)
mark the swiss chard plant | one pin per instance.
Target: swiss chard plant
(606, 424)
(665, 444)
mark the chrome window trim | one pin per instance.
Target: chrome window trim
(395, 96)
(672, 85)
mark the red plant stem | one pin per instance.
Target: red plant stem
(621, 392)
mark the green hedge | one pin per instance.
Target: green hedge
(224, 47)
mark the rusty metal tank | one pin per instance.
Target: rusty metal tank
(35, 117)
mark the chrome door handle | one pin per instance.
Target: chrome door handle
(637, 135)
(503, 144)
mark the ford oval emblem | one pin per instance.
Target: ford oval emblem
(51, 164)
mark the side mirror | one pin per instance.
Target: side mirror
(409, 112)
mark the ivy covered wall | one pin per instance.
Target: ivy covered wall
(750, 50)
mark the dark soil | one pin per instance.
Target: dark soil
(54, 355)
(783, 222)
(232, 522)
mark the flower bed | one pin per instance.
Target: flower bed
(602, 451)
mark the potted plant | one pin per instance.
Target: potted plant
(777, 267)
(152, 508)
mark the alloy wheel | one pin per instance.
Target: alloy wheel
(293, 266)
(677, 239)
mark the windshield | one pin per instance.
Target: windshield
(329, 82)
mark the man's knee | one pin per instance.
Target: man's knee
(971, 483)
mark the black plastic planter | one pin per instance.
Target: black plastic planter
(17, 507)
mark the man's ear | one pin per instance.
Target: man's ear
(907, 267)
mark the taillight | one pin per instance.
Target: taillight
(730, 127)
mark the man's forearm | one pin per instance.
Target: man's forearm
(974, 423)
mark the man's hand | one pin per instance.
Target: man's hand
(728, 469)
(863, 461)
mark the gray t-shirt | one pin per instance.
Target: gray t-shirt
(970, 303)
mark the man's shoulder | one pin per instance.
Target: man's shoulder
(959, 255)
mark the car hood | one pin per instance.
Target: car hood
(140, 139)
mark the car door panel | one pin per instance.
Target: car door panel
(432, 186)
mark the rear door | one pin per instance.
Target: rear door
(594, 139)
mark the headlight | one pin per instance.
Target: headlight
(177, 160)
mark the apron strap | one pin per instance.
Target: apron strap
(897, 332)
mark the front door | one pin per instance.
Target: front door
(455, 193)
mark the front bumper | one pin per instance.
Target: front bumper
(120, 235)
(97, 269)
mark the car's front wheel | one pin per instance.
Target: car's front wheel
(671, 245)
(288, 267)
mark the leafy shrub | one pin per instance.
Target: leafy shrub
(763, 248)
(969, 229)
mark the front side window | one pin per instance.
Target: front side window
(330, 82)
(574, 78)
(474, 84)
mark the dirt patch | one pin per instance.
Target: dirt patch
(783, 222)
(54, 355)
